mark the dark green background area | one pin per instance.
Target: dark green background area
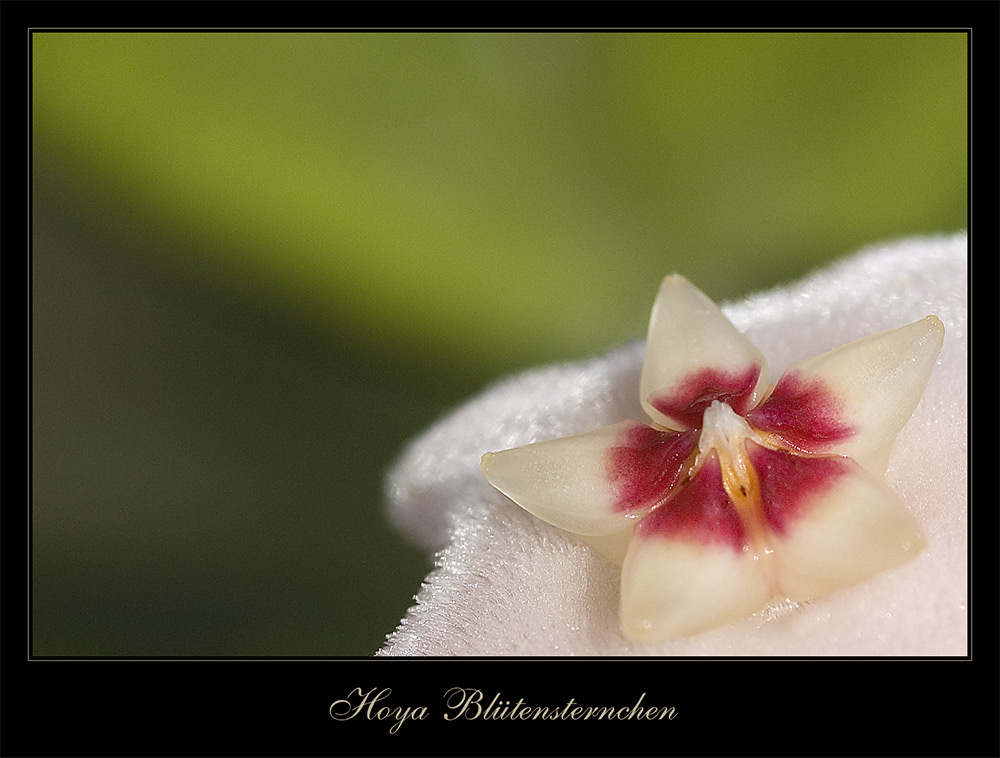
(262, 262)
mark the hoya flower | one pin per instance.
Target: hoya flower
(739, 493)
(506, 583)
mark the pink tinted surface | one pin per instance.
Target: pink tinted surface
(803, 413)
(646, 463)
(694, 393)
(700, 510)
(788, 482)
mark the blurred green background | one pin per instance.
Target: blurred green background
(262, 262)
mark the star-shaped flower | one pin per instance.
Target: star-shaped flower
(739, 493)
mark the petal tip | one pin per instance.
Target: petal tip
(935, 324)
(639, 629)
(914, 543)
(930, 331)
(486, 464)
(675, 282)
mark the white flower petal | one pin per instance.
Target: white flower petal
(687, 568)
(431, 481)
(593, 484)
(833, 524)
(694, 355)
(854, 400)
(674, 589)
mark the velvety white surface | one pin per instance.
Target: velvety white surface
(508, 584)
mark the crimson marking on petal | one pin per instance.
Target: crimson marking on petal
(788, 482)
(695, 392)
(699, 510)
(803, 412)
(646, 463)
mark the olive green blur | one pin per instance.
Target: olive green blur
(262, 262)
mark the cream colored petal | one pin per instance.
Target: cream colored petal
(612, 546)
(594, 484)
(854, 400)
(694, 355)
(690, 565)
(675, 589)
(833, 524)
